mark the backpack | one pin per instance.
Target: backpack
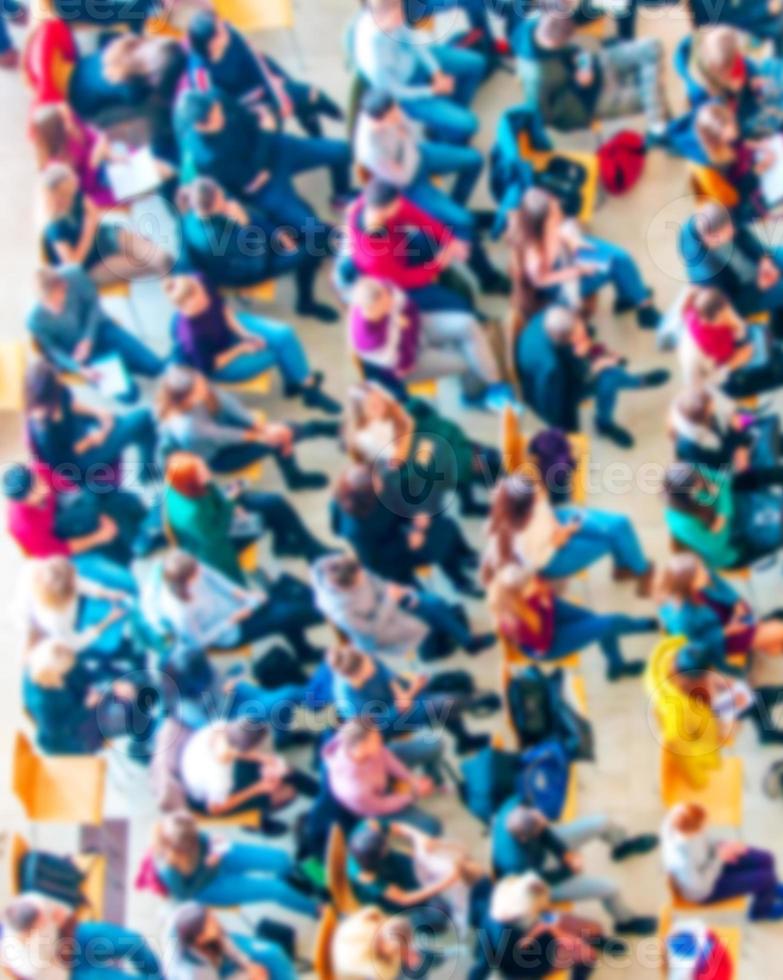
(278, 668)
(565, 179)
(621, 161)
(488, 779)
(54, 876)
(530, 705)
(543, 782)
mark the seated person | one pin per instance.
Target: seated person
(407, 872)
(698, 604)
(364, 687)
(387, 145)
(544, 626)
(369, 779)
(199, 418)
(763, 18)
(557, 543)
(434, 83)
(393, 536)
(200, 948)
(704, 869)
(223, 57)
(73, 716)
(225, 770)
(72, 330)
(233, 346)
(730, 257)
(408, 437)
(719, 517)
(572, 87)
(59, 136)
(553, 260)
(81, 440)
(398, 343)
(76, 234)
(369, 944)
(718, 348)
(523, 937)
(383, 618)
(196, 605)
(560, 365)
(42, 938)
(523, 840)
(226, 141)
(195, 866)
(253, 249)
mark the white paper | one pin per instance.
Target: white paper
(133, 176)
(772, 179)
(113, 380)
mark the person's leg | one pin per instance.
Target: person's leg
(467, 68)
(438, 296)
(236, 889)
(298, 154)
(421, 749)
(266, 954)
(443, 118)
(441, 618)
(99, 943)
(243, 858)
(135, 428)
(609, 532)
(463, 332)
(585, 888)
(290, 536)
(577, 833)
(418, 818)
(607, 386)
(247, 366)
(137, 258)
(753, 873)
(137, 357)
(436, 202)
(283, 342)
(290, 619)
(439, 159)
(97, 568)
(618, 267)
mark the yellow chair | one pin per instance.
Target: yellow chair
(539, 160)
(710, 185)
(324, 937)
(513, 657)
(13, 364)
(598, 27)
(722, 797)
(250, 15)
(337, 872)
(66, 789)
(260, 385)
(259, 292)
(427, 388)
(247, 819)
(92, 865)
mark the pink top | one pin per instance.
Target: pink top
(33, 526)
(91, 179)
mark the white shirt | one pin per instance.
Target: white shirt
(207, 780)
(34, 956)
(692, 861)
(376, 440)
(533, 546)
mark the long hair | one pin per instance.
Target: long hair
(526, 232)
(513, 500)
(680, 484)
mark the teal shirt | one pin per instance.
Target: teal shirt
(714, 546)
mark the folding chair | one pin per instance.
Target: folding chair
(337, 872)
(324, 937)
(722, 798)
(65, 789)
(92, 865)
(250, 15)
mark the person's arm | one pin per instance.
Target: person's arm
(47, 340)
(235, 326)
(89, 303)
(419, 896)
(105, 533)
(242, 796)
(384, 73)
(76, 254)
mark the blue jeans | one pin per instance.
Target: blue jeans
(475, 10)
(6, 44)
(98, 568)
(448, 119)
(283, 351)
(274, 708)
(601, 533)
(135, 428)
(577, 627)
(607, 386)
(439, 159)
(111, 338)
(436, 297)
(97, 944)
(620, 270)
(266, 954)
(440, 617)
(235, 884)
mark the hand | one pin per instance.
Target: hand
(768, 273)
(258, 182)
(93, 699)
(416, 540)
(266, 118)
(742, 459)
(287, 241)
(423, 786)
(114, 614)
(254, 971)
(82, 351)
(731, 851)
(107, 528)
(442, 84)
(574, 862)
(765, 160)
(588, 268)
(212, 860)
(94, 438)
(124, 690)
(278, 435)
(584, 77)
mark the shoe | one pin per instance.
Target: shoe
(494, 398)
(648, 317)
(483, 641)
(639, 925)
(485, 704)
(611, 946)
(471, 743)
(773, 914)
(297, 879)
(314, 397)
(616, 433)
(294, 740)
(633, 846)
(319, 311)
(654, 379)
(273, 828)
(307, 481)
(495, 284)
(628, 668)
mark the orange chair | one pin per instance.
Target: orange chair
(710, 185)
(722, 797)
(65, 789)
(324, 937)
(337, 873)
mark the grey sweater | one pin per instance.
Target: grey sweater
(391, 61)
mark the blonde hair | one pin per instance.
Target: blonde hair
(48, 663)
(519, 898)
(54, 582)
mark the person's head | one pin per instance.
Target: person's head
(245, 737)
(343, 572)
(49, 130)
(43, 390)
(202, 111)
(179, 572)
(692, 666)
(177, 836)
(205, 196)
(361, 739)
(49, 662)
(387, 14)
(52, 288)
(123, 58)
(369, 845)
(513, 500)
(681, 483)
(180, 390)
(714, 224)
(381, 200)
(380, 106)
(684, 575)
(355, 492)
(525, 824)
(181, 289)
(208, 35)
(369, 402)
(196, 927)
(688, 819)
(556, 26)
(54, 582)
(563, 325)
(722, 59)
(536, 219)
(717, 128)
(695, 406)
(346, 661)
(519, 899)
(21, 485)
(22, 915)
(373, 297)
(60, 186)
(511, 585)
(710, 305)
(188, 474)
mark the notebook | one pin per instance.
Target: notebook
(134, 176)
(113, 378)
(772, 179)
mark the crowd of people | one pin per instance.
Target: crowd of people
(249, 666)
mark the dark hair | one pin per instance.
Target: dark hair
(17, 481)
(244, 736)
(376, 103)
(22, 914)
(712, 218)
(693, 658)
(680, 482)
(708, 302)
(42, 387)
(368, 846)
(344, 659)
(189, 922)
(342, 570)
(201, 30)
(355, 492)
(379, 193)
(178, 569)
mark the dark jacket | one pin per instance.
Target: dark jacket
(552, 378)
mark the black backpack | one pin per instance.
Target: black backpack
(530, 706)
(52, 875)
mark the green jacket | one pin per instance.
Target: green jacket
(202, 527)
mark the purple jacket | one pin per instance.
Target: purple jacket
(385, 342)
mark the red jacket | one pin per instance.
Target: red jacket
(33, 527)
(386, 254)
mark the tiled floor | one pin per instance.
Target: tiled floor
(623, 781)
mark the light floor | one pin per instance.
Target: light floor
(623, 781)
